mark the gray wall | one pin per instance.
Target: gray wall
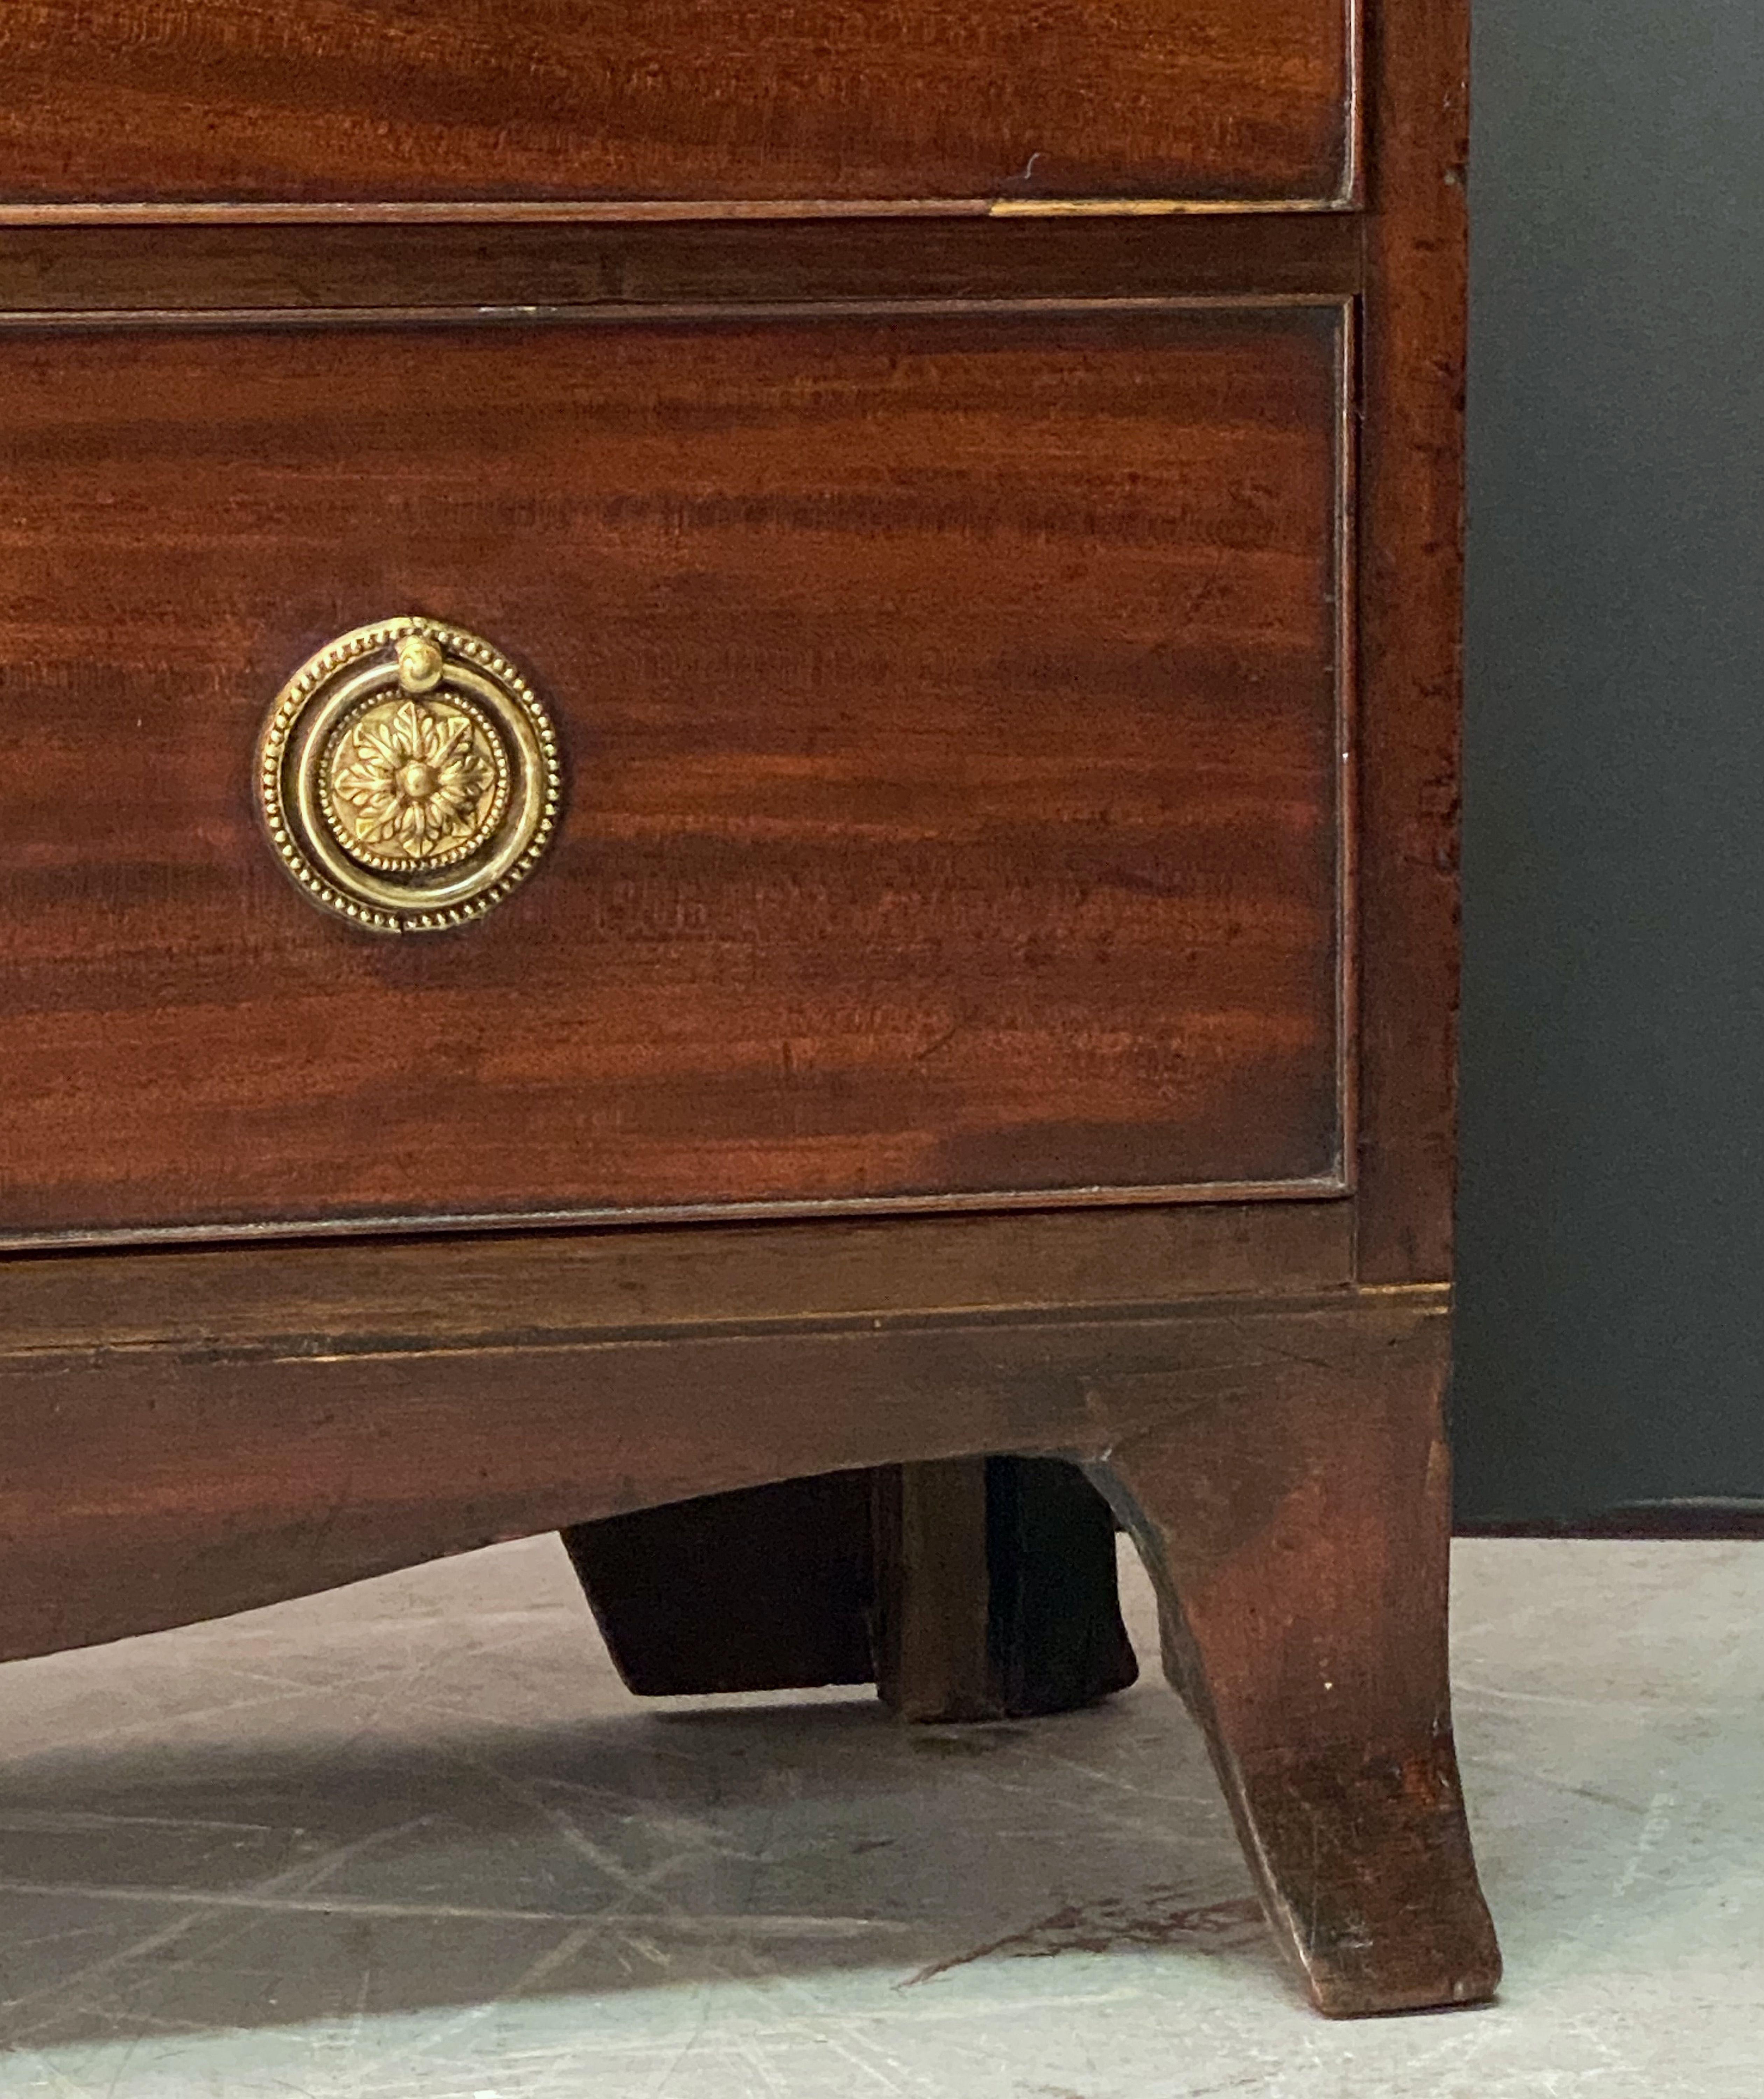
(1611, 1212)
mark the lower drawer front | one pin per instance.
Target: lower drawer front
(948, 707)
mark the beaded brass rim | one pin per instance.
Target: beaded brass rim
(409, 776)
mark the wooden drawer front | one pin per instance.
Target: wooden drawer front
(811, 102)
(949, 704)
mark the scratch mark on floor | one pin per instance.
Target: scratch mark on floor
(744, 1924)
(1160, 1917)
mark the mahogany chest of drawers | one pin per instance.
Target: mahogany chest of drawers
(732, 745)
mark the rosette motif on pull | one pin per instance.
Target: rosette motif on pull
(409, 776)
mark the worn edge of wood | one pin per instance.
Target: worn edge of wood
(663, 313)
(332, 1343)
(1095, 1346)
(345, 268)
(393, 1225)
(334, 1349)
(663, 1276)
(637, 211)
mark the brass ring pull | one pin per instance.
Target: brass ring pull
(409, 776)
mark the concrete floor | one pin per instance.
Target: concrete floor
(414, 1839)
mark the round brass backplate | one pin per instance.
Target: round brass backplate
(409, 776)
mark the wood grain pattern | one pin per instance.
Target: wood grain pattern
(1410, 653)
(548, 1287)
(1300, 1540)
(997, 1591)
(950, 704)
(51, 270)
(1282, 1463)
(221, 1476)
(933, 1616)
(808, 100)
(953, 692)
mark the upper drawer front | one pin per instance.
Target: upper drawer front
(796, 102)
(949, 711)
